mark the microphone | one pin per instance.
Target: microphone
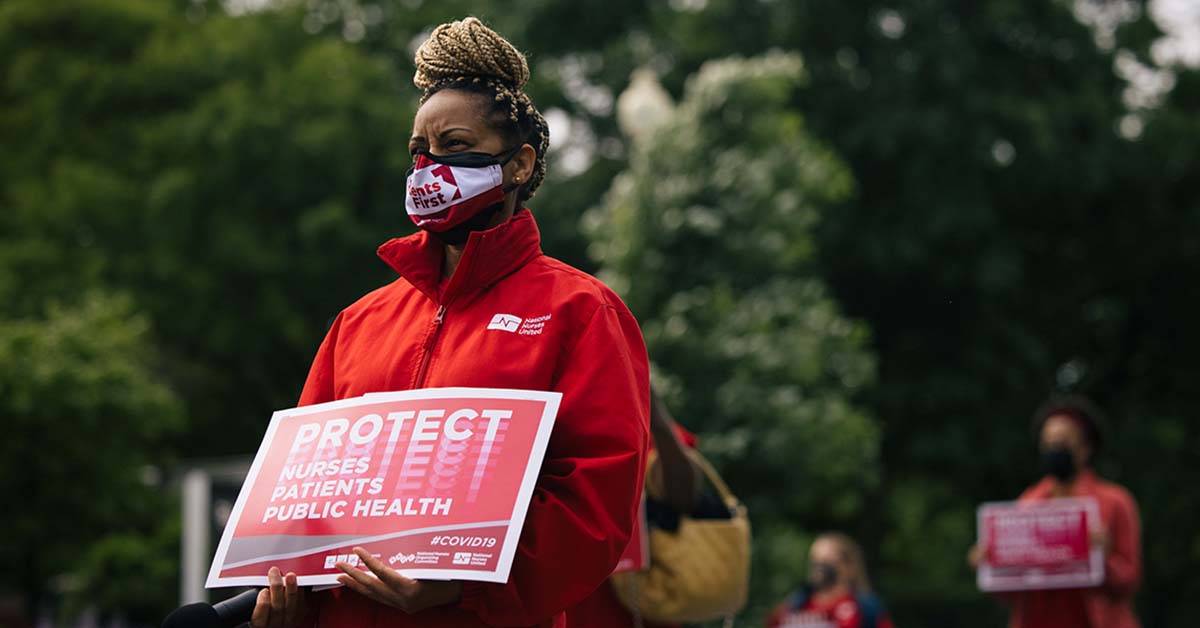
(227, 614)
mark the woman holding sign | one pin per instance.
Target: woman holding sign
(1069, 437)
(477, 304)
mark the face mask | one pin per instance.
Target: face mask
(823, 576)
(453, 195)
(1059, 463)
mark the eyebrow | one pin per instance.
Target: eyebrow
(420, 138)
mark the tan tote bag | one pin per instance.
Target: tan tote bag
(698, 573)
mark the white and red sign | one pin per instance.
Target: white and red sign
(1042, 544)
(434, 482)
(806, 619)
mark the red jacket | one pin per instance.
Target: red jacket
(841, 612)
(510, 317)
(1111, 604)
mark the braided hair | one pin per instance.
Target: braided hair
(468, 56)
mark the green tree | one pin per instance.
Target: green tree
(85, 412)
(233, 175)
(709, 237)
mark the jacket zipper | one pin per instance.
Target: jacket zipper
(429, 344)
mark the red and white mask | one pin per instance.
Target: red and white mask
(446, 190)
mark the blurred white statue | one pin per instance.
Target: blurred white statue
(644, 105)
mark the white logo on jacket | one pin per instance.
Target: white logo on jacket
(505, 322)
(522, 327)
(534, 326)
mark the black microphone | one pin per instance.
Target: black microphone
(227, 614)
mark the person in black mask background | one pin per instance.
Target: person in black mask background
(838, 592)
(1069, 436)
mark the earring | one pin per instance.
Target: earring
(516, 179)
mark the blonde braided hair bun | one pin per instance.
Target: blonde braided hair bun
(467, 55)
(469, 48)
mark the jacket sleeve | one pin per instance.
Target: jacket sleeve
(1123, 566)
(581, 515)
(318, 388)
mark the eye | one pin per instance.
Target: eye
(454, 143)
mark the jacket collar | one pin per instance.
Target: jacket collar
(1084, 484)
(489, 256)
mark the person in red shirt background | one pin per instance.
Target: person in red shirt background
(1069, 437)
(838, 593)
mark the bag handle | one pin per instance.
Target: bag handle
(700, 462)
(731, 501)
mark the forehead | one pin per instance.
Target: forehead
(451, 108)
(1061, 427)
(824, 549)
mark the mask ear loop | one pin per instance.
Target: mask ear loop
(509, 154)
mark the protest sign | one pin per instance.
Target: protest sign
(1039, 545)
(434, 482)
(806, 619)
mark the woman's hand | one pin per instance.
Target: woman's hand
(281, 604)
(386, 586)
(1100, 538)
(975, 556)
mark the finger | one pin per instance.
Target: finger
(361, 577)
(291, 598)
(358, 587)
(369, 560)
(262, 610)
(389, 576)
(275, 581)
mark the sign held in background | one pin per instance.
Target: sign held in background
(1039, 545)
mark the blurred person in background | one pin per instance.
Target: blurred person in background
(1069, 436)
(838, 592)
(471, 281)
(679, 489)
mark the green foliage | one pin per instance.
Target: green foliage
(1004, 240)
(217, 171)
(131, 575)
(709, 237)
(85, 412)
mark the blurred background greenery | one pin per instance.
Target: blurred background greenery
(864, 239)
